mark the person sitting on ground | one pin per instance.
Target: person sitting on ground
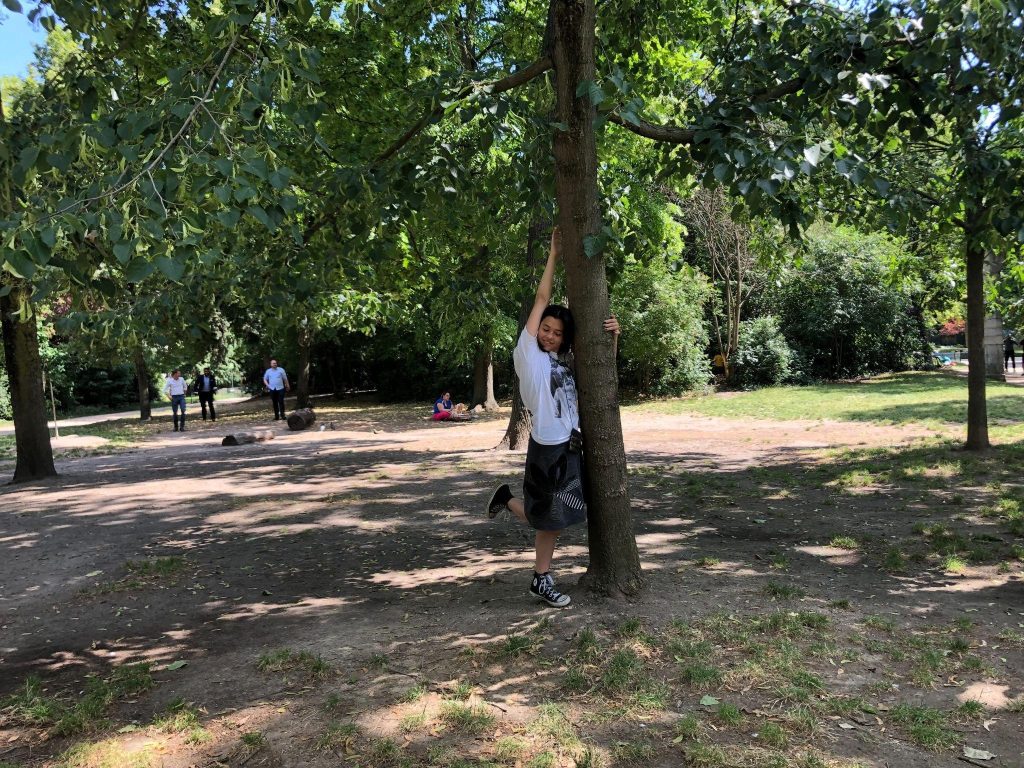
(443, 408)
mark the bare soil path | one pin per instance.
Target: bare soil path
(365, 544)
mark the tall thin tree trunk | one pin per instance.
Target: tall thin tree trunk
(25, 374)
(614, 559)
(305, 342)
(483, 377)
(977, 410)
(142, 379)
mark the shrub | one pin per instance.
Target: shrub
(762, 358)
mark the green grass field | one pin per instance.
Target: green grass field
(934, 400)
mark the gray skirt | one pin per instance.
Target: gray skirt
(553, 487)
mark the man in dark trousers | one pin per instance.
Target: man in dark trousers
(205, 386)
(1008, 360)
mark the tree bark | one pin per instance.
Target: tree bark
(300, 419)
(483, 377)
(28, 402)
(614, 559)
(243, 438)
(977, 410)
(305, 342)
(142, 379)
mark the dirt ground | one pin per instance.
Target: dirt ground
(365, 544)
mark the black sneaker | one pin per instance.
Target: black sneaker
(499, 501)
(543, 586)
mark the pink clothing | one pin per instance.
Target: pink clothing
(442, 415)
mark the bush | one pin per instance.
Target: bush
(762, 358)
(664, 337)
(844, 313)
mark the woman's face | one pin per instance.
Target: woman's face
(550, 334)
(447, 396)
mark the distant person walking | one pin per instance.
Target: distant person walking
(175, 386)
(276, 382)
(1008, 360)
(205, 386)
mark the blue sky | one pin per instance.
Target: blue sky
(16, 40)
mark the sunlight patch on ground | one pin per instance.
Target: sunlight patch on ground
(833, 555)
(991, 695)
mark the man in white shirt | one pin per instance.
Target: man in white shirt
(175, 387)
(276, 382)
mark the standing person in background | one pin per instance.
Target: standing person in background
(205, 386)
(175, 386)
(1008, 360)
(276, 382)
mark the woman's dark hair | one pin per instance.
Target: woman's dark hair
(559, 312)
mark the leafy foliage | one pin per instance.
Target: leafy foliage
(763, 358)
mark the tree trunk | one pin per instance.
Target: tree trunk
(483, 378)
(614, 559)
(142, 377)
(305, 341)
(25, 374)
(977, 410)
(300, 419)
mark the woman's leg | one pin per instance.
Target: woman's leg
(516, 507)
(545, 549)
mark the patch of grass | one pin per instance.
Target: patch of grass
(707, 562)
(156, 567)
(844, 542)
(702, 676)
(589, 758)
(546, 759)
(729, 715)
(553, 723)
(925, 726)
(631, 627)
(705, 756)
(783, 591)
(894, 560)
(462, 690)
(110, 753)
(633, 752)
(880, 624)
(1011, 638)
(971, 710)
(622, 671)
(842, 604)
(509, 749)
(384, 750)
(180, 716)
(254, 740)
(378, 661)
(575, 679)
(686, 728)
(287, 660)
(338, 736)
(954, 564)
(415, 693)
(587, 644)
(471, 719)
(779, 562)
(773, 735)
(31, 705)
(412, 722)
(517, 646)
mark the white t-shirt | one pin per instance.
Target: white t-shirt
(548, 390)
(175, 386)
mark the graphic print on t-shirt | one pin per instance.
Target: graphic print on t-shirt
(563, 390)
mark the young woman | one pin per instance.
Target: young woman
(553, 486)
(443, 407)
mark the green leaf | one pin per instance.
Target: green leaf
(176, 665)
(19, 264)
(138, 270)
(172, 268)
(13, 6)
(591, 90)
(123, 251)
(708, 701)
